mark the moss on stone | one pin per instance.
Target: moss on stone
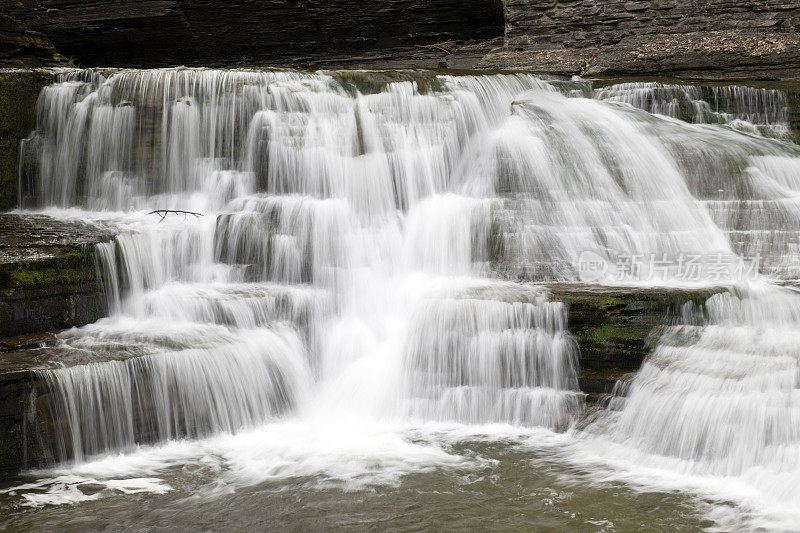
(372, 82)
(611, 303)
(64, 267)
(608, 333)
(50, 276)
(19, 90)
(615, 327)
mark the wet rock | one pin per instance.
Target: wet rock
(615, 326)
(48, 279)
(25, 435)
(601, 381)
(16, 400)
(27, 342)
(600, 384)
(19, 90)
(91, 488)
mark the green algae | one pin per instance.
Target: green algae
(50, 276)
(19, 91)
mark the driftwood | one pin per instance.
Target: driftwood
(164, 212)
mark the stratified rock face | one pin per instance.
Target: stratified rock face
(724, 54)
(705, 55)
(48, 282)
(19, 90)
(712, 39)
(48, 279)
(208, 32)
(22, 48)
(593, 23)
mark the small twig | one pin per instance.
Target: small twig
(165, 212)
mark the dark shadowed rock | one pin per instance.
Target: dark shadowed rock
(207, 32)
(20, 47)
(19, 90)
(48, 279)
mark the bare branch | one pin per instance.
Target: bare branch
(164, 212)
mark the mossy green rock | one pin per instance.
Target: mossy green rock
(616, 327)
(48, 277)
(19, 90)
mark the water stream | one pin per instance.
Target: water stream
(350, 305)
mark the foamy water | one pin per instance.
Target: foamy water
(353, 307)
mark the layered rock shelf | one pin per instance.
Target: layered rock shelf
(48, 279)
(250, 32)
(19, 90)
(48, 282)
(20, 47)
(615, 327)
(612, 326)
(715, 39)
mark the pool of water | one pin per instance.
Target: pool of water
(292, 476)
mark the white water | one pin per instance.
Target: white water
(344, 274)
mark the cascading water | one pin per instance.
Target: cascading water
(111, 406)
(765, 110)
(306, 188)
(365, 251)
(482, 360)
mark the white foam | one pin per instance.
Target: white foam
(331, 317)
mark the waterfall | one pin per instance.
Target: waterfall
(723, 391)
(717, 398)
(316, 202)
(749, 108)
(114, 405)
(373, 245)
(474, 358)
